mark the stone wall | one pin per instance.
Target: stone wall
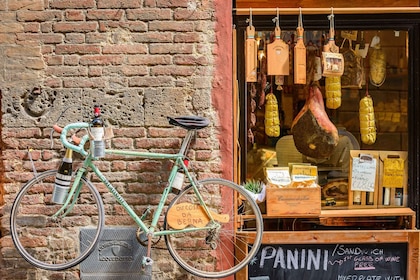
(142, 60)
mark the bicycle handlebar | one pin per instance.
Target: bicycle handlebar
(80, 141)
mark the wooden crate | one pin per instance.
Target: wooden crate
(398, 197)
(293, 202)
(363, 199)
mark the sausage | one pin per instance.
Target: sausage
(367, 120)
(333, 92)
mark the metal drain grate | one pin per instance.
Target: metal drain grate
(117, 256)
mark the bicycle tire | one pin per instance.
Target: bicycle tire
(53, 244)
(231, 252)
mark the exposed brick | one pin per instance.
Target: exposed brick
(40, 16)
(188, 14)
(174, 70)
(71, 60)
(95, 71)
(149, 59)
(180, 26)
(134, 71)
(40, 37)
(75, 15)
(75, 27)
(105, 14)
(147, 143)
(172, 3)
(149, 14)
(124, 48)
(171, 48)
(133, 132)
(83, 83)
(121, 143)
(190, 60)
(101, 60)
(54, 59)
(165, 132)
(92, 38)
(66, 71)
(116, 4)
(72, 4)
(53, 82)
(33, 27)
(46, 27)
(77, 49)
(136, 26)
(160, 81)
(32, 5)
(153, 37)
(188, 37)
(75, 38)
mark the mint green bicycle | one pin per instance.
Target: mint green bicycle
(212, 228)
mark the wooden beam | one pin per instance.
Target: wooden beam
(317, 11)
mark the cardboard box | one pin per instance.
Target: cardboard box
(393, 190)
(293, 202)
(363, 175)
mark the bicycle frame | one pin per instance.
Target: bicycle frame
(88, 163)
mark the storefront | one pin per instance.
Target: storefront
(358, 203)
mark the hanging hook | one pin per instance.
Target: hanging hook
(300, 20)
(331, 19)
(276, 20)
(250, 17)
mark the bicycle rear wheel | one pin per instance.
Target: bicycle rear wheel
(230, 245)
(53, 243)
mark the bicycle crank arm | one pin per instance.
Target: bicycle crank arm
(187, 214)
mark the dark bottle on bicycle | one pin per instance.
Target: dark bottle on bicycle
(97, 132)
(63, 178)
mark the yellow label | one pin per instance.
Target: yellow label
(393, 173)
(307, 170)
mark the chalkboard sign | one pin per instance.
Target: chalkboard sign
(330, 261)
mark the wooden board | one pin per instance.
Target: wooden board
(278, 56)
(299, 59)
(250, 55)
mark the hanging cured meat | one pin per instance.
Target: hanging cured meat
(367, 120)
(333, 92)
(314, 134)
(271, 118)
(377, 64)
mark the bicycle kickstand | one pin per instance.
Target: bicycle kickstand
(147, 260)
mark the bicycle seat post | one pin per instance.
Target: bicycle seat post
(186, 142)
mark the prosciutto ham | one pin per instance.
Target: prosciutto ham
(314, 134)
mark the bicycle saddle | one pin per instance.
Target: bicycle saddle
(189, 122)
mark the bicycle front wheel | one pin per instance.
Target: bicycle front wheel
(235, 234)
(50, 242)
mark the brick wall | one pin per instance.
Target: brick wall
(141, 60)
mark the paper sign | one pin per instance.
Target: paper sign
(393, 173)
(278, 176)
(363, 173)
